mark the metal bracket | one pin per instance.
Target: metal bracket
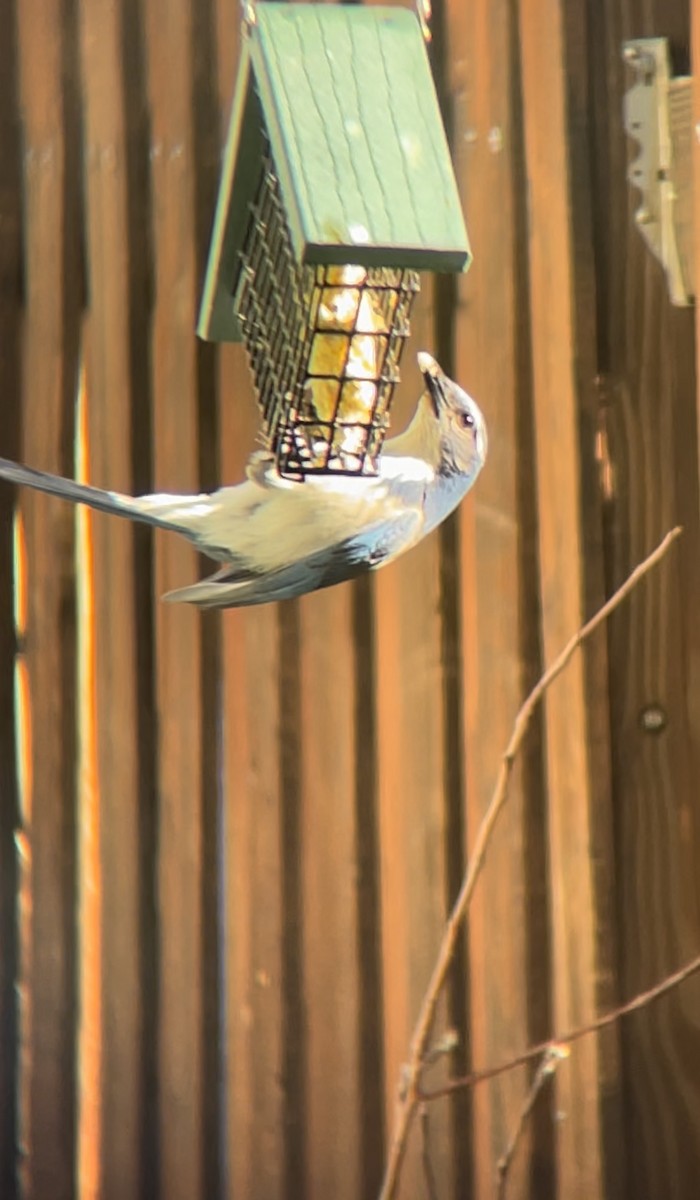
(658, 115)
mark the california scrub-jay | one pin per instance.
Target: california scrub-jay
(278, 538)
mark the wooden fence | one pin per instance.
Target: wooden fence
(228, 844)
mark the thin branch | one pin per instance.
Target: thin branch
(640, 1001)
(444, 1045)
(426, 1157)
(411, 1073)
(546, 1070)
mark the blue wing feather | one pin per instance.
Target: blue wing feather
(235, 587)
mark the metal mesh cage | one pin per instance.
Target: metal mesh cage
(324, 344)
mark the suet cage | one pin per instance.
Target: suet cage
(337, 190)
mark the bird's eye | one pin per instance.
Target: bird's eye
(466, 420)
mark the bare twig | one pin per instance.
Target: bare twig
(428, 1169)
(411, 1073)
(444, 1045)
(640, 1001)
(550, 1061)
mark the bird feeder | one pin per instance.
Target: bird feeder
(337, 189)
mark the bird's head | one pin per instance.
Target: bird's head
(461, 427)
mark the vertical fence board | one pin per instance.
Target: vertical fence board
(695, 61)
(329, 878)
(252, 838)
(329, 927)
(10, 389)
(109, 397)
(655, 774)
(252, 853)
(650, 438)
(206, 136)
(557, 349)
(254, 978)
(89, 875)
(178, 641)
(369, 931)
(412, 810)
(488, 331)
(50, 372)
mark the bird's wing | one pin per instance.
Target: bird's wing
(236, 588)
(210, 521)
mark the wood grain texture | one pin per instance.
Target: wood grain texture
(254, 977)
(10, 388)
(287, 795)
(255, 967)
(371, 1049)
(48, 80)
(89, 869)
(178, 643)
(114, 386)
(206, 134)
(695, 58)
(329, 894)
(563, 348)
(413, 811)
(651, 435)
(493, 588)
(253, 856)
(251, 847)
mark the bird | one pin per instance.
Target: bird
(278, 538)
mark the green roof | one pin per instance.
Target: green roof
(346, 97)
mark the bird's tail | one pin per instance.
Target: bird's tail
(163, 511)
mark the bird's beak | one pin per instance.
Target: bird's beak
(433, 376)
